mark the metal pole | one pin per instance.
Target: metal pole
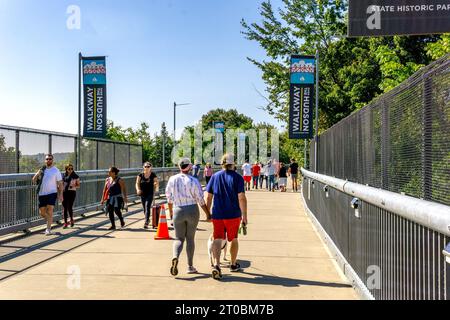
(17, 151)
(174, 120)
(305, 163)
(163, 133)
(78, 160)
(317, 112)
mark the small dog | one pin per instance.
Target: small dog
(223, 246)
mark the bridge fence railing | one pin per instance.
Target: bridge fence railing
(19, 200)
(391, 246)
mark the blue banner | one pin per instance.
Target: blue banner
(302, 77)
(94, 88)
(94, 70)
(303, 69)
(219, 126)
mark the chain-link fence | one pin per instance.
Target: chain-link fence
(400, 142)
(23, 150)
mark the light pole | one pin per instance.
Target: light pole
(163, 133)
(175, 117)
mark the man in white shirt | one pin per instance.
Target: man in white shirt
(247, 174)
(51, 187)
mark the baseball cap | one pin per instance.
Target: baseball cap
(228, 158)
(185, 163)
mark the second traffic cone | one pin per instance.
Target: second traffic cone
(163, 230)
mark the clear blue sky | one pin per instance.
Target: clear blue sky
(159, 51)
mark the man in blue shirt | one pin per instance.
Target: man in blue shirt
(230, 207)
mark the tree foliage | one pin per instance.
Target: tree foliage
(235, 120)
(152, 145)
(353, 71)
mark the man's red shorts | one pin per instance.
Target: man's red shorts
(247, 178)
(230, 226)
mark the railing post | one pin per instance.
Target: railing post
(385, 143)
(50, 143)
(427, 136)
(96, 154)
(114, 154)
(75, 148)
(17, 151)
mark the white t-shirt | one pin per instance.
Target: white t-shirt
(247, 168)
(50, 182)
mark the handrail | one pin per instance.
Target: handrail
(84, 173)
(432, 215)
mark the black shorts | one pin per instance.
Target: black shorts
(47, 200)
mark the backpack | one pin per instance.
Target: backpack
(40, 179)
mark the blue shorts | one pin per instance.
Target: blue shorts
(293, 176)
(47, 200)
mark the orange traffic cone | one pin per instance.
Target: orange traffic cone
(163, 230)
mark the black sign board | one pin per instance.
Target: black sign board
(398, 17)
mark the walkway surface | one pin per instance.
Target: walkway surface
(282, 256)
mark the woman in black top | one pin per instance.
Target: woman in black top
(282, 176)
(146, 183)
(117, 196)
(71, 184)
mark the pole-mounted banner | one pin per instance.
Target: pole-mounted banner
(302, 72)
(398, 17)
(94, 88)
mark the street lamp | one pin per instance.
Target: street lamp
(163, 133)
(175, 116)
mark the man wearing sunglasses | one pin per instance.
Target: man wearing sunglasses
(50, 190)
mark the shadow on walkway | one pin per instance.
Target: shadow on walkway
(280, 281)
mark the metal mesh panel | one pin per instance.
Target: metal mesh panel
(405, 139)
(122, 156)
(63, 150)
(105, 155)
(400, 143)
(135, 156)
(394, 257)
(33, 147)
(7, 151)
(88, 155)
(440, 137)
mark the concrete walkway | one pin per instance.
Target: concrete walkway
(282, 256)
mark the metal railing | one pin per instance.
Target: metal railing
(19, 205)
(23, 150)
(399, 142)
(391, 245)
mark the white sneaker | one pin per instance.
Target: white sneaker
(48, 232)
(191, 270)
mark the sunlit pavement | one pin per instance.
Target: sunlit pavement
(282, 258)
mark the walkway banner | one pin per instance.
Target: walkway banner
(302, 73)
(94, 88)
(398, 17)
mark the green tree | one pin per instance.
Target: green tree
(231, 118)
(353, 71)
(235, 120)
(438, 49)
(151, 146)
